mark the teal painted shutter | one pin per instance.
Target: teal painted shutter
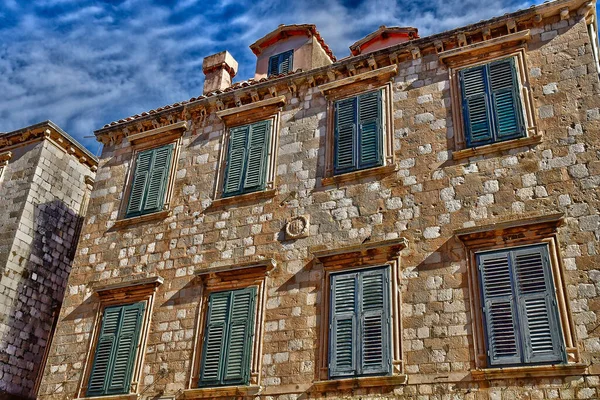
(537, 305)
(375, 322)
(369, 123)
(286, 62)
(116, 350)
(345, 149)
(236, 160)
(256, 166)
(239, 341)
(104, 351)
(141, 174)
(273, 65)
(505, 99)
(476, 109)
(344, 325)
(159, 177)
(228, 338)
(504, 346)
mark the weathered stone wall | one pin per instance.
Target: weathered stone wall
(50, 185)
(429, 197)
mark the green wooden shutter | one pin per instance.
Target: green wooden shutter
(159, 178)
(236, 160)
(239, 341)
(375, 322)
(344, 325)
(139, 185)
(104, 351)
(504, 346)
(345, 149)
(476, 108)
(537, 305)
(505, 99)
(273, 65)
(116, 350)
(370, 132)
(228, 338)
(286, 61)
(258, 151)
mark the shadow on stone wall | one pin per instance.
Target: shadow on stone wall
(40, 292)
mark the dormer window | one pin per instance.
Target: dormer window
(281, 63)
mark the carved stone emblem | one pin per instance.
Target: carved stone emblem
(297, 227)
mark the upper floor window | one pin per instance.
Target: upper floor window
(247, 156)
(360, 324)
(281, 63)
(228, 337)
(116, 350)
(358, 141)
(150, 180)
(519, 306)
(491, 103)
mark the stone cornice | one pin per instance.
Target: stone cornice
(47, 130)
(253, 91)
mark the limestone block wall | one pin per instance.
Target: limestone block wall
(429, 197)
(50, 190)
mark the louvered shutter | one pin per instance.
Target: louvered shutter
(476, 108)
(256, 164)
(505, 100)
(236, 160)
(228, 338)
(139, 185)
(369, 123)
(273, 65)
(116, 350)
(344, 325)
(214, 339)
(537, 305)
(107, 340)
(159, 177)
(504, 346)
(375, 322)
(239, 340)
(345, 136)
(286, 62)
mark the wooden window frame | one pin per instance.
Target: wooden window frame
(263, 110)
(455, 65)
(353, 86)
(164, 136)
(350, 259)
(224, 278)
(139, 290)
(504, 236)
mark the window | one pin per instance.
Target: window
(150, 179)
(360, 324)
(491, 103)
(228, 338)
(281, 63)
(519, 307)
(116, 350)
(358, 132)
(247, 158)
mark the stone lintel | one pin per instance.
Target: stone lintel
(139, 283)
(274, 101)
(178, 127)
(385, 72)
(505, 227)
(516, 37)
(401, 243)
(268, 264)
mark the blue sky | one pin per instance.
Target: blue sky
(84, 63)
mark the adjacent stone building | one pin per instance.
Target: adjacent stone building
(419, 220)
(45, 184)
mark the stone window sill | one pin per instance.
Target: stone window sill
(357, 175)
(530, 371)
(129, 396)
(226, 391)
(499, 146)
(243, 198)
(360, 382)
(122, 223)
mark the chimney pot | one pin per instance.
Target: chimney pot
(219, 69)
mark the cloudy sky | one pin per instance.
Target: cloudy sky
(84, 63)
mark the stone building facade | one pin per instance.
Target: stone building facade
(45, 184)
(419, 221)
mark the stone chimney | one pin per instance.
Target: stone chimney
(219, 69)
